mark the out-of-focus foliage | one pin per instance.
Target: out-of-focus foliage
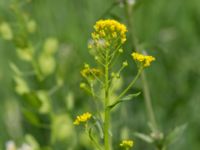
(167, 29)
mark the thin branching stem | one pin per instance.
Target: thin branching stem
(101, 54)
(130, 85)
(120, 70)
(113, 55)
(101, 63)
(97, 78)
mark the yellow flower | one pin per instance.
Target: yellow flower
(109, 31)
(90, 73)
(127, 143)
(82, 118)
(144, 59)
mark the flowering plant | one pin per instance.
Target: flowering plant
(106, 44)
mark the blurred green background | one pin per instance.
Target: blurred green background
(168, 30)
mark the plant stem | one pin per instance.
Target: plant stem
(106, 129)
(148, 103)
(161, 148)
(147, 97)
(130, 85)
(106, 103)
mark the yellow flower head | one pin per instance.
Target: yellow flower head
(144, 59)
(82, 118)
(108, 32)
(90, 73)
(127, 143)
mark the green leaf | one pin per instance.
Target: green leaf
(31, 101)
(99, 127)
(130, 96)
(62, 128)
(32, 142)
(90, 134)
(26, 53)
(21, 86)
(144, 137)
(124, 99)
(37, 101)
(175, 134)
(31, 117)
(45, 104)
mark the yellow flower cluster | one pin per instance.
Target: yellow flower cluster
(91, 73)
(82, 118)
(144, 59)
(107, 32)
(127, 143)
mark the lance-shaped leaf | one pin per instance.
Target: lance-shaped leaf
(144, 137)
(124, 99)
(98, 125)
(175, 134)
(32, 117)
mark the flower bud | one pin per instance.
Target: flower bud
(113, 74)
(118, 75)
(121, 50)
(82, 85)
(86, 65)
(125, 63)
(96, 58)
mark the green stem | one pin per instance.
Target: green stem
(106, 103)
(161, 148)
(130, 85)
(148, 102)
(95, 97)
(106, 129)
(146, 91)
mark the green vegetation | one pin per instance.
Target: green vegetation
(43, 45)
